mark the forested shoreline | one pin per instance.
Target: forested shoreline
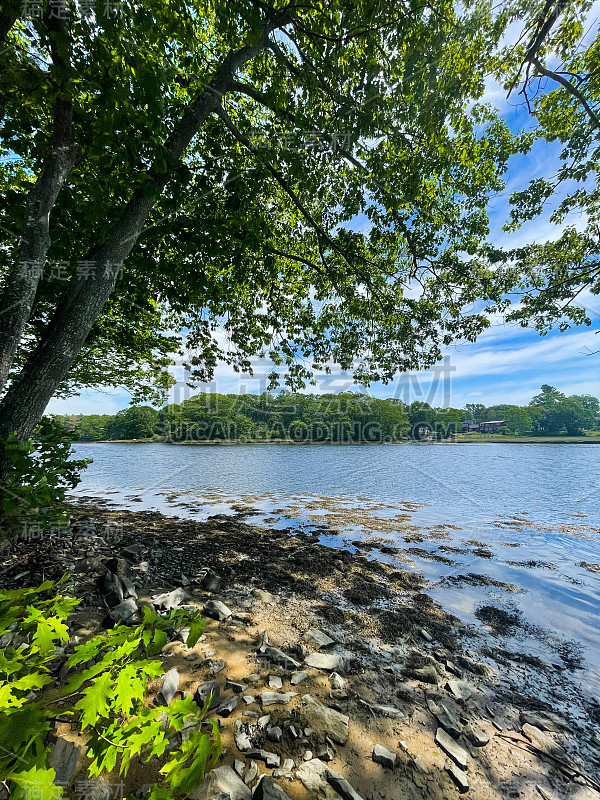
(344, 417)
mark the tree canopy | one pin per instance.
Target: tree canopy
(289, 173)
(343, 417)
(311, 182)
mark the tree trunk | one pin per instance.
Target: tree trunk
(21, 287)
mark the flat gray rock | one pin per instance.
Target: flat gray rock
(251, 774)
(225, 708)
(267, 789)
(318, 639)
(221, 781)
(388, 711)
(202, 692)
(274, 733)
(325, 720)
(543, 723)
(445, 718)
(170, 685)
(459, 690)
(426, 674)
(63, 759)
(298, 676)
(476, 735)
(451, 748)
(459, 777)
(325, 661)
(381, 755)
(341, 785)
(169, 600)
(124, 611)
(336, 681)
(217, 610)
(275, 682)
(540, 739)
(324, 782)
(276, 698)
(242, 739)
(313, 775)
(276, 656)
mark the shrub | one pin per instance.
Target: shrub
(104, 696)
(39, 473)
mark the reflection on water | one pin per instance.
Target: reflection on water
(513, 526)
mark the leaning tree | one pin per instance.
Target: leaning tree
(307, 180)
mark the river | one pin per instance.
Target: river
(509, 526)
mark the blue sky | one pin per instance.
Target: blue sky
(506, 364)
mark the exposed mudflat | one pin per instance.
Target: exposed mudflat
(397, 647)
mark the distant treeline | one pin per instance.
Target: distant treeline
(346, 417)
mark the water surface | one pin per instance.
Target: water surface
(522, 515)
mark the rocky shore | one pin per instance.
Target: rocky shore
(333, 675)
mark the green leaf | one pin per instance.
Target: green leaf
(196, 631)
(36, 782)
(95, 700)
(129, 687)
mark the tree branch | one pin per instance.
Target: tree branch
(548, 73)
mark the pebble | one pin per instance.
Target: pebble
(277, 656)
(388, 711)
(253, 678)
(169, 600)
(239, 767)
(242, 739)
(381, 755)
(453, 669)
(227, 707)
(248, 699)
(124, 611)
(192, 656)
(236, 687)
(426, 635)
(325, 754)
(211, 582)
(204, 689)
(308, 755)
(275, 682)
